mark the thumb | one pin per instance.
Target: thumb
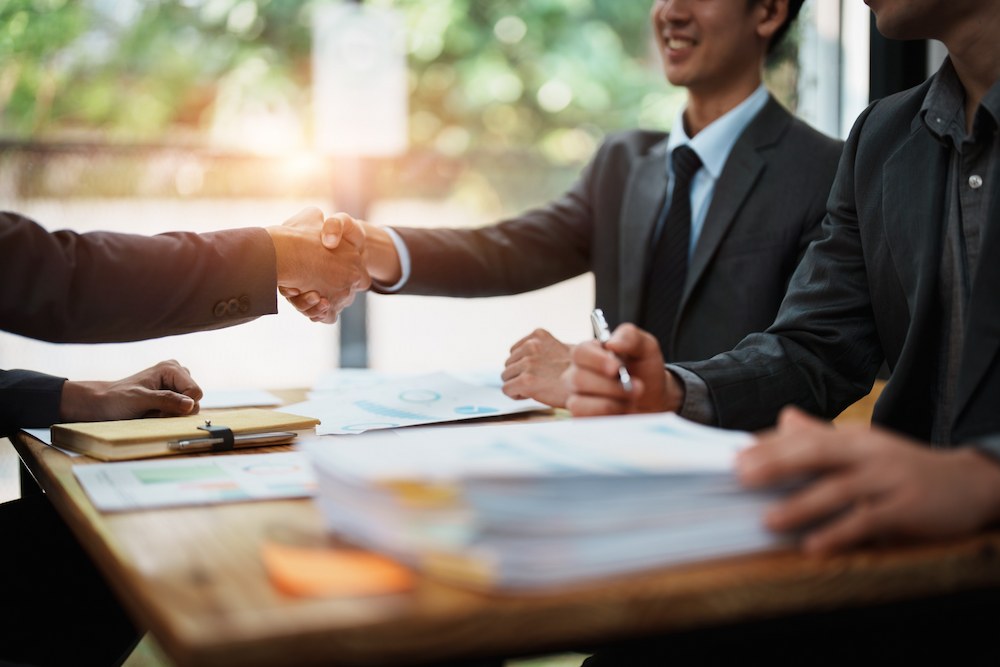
(354, 231)
(332, 232)
(169, 403)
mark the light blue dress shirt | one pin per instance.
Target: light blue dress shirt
(713, 146)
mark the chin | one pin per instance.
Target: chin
(676, 77)
(889, 28)
(914, 19)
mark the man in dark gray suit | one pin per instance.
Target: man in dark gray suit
(754, 202)
(907, 271)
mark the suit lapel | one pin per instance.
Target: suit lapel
(644, 196)
(982, 332)
(913, 215)
(743, 166)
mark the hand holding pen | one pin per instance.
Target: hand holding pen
(598, 384)
(603, 334)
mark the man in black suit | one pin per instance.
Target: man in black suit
(68, 287)
(907, 271)
(755, 201)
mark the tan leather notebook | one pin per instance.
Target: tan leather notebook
(144, 438)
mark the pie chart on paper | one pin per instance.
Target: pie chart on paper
(475, 410)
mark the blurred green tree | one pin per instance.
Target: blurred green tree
(546, 73)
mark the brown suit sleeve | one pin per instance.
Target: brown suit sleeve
(108, 287)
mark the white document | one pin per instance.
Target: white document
(602, 446)
(410, 401)
(238, 398)
(204, 480)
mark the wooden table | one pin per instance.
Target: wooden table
(194, 578)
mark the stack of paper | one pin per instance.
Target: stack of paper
(543, 504)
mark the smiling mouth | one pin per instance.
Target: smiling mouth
(678, 43)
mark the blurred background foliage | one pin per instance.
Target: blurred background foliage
(531, 85)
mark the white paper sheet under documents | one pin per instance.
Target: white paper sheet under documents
(238, 398)
(410, 401)
(604, 446)
(204, 480)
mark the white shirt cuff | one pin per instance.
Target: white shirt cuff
(404, 262)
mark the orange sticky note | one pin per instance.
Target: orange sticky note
(323, 571)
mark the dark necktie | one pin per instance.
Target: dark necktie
(669, 262)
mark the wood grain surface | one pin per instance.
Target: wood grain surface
(194, 578)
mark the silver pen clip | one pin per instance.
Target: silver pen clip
(603, 334)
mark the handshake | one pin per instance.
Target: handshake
(321, 262)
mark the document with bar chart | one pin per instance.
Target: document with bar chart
(411, 401)
(206, 480)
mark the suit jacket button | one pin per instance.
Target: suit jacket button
(244, 303)
(233, 306)
(220, 309)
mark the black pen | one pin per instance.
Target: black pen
(602, 334)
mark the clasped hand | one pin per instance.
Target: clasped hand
(165, 390)
(869, 484)
(534, 369)
(320, 262)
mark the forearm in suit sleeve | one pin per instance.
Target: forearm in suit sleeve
(538, 248)
(108, 287)
(823, 351)
(28, 400)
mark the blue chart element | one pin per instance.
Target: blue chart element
(419, 396)
(475, 410)
(394, 413)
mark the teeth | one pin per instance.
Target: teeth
(675, 43)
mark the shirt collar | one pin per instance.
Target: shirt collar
(943, 109)
(714, 143)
